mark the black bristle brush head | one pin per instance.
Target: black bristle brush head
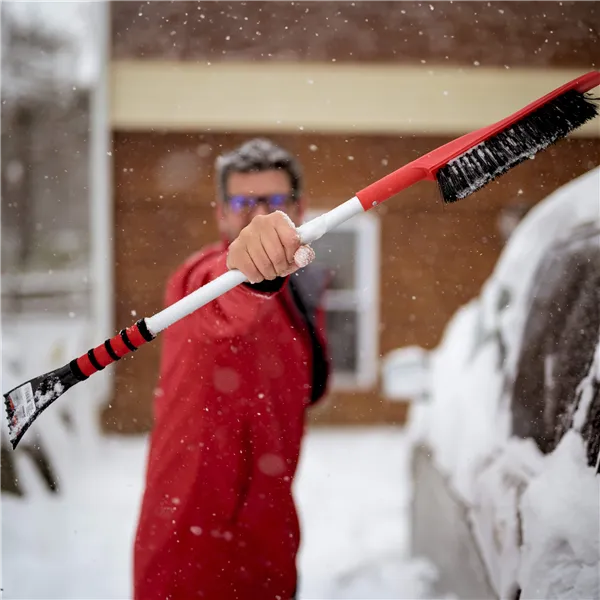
(550, 123)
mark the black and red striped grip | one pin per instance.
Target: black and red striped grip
(113, 349)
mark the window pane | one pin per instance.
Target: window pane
(342, 332)
(337, 250)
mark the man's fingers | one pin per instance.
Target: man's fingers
(290, 240)
(245, 264)
(268, 247)
(261, 259)
(275, 251)
(239, 258)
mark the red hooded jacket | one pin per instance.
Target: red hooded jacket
(218, 519)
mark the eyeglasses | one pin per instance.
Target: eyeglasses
(240, 202)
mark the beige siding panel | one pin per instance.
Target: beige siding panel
(296, 97)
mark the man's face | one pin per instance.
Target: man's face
(251, 194)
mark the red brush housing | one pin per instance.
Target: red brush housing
(426, 167)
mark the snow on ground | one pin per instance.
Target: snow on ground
(352, 489)
(75, 545)
(353, 492)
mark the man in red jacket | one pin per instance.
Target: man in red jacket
(218, 519)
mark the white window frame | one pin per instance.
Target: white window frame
(364, 299)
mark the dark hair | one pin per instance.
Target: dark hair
(255, 156)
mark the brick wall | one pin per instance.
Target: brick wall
(535, 34)
(434, 257)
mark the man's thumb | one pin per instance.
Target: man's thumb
(304, 256)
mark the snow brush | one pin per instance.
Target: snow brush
(460, 168)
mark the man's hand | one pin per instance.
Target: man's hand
(267, 248)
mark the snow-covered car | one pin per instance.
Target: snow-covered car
(506, 425)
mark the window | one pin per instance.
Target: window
(351, 251)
